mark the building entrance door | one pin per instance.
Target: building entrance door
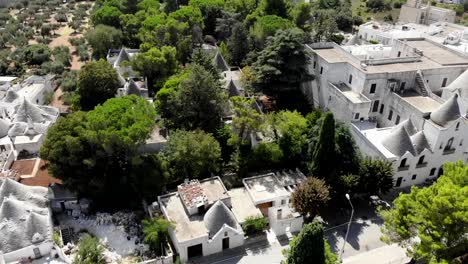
(226, 243)
(398, 182)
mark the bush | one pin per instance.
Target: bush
(373, 41)
(89, 251)
(57, 238)
(254, 224)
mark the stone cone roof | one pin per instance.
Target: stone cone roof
(4, 127)
(408, 125)
(232, 88)
(27, 109)
(217, 216)
(460, 84)
(399, 142)
(11, 96)
(133, 88)
(420, 142)
(447, 112)
(219, 62)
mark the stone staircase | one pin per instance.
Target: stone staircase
(421, 86)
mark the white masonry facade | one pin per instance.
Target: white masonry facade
(406, 103)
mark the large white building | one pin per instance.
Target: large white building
(450, 35)
(407, 102)
(25, 222)
(415, 12)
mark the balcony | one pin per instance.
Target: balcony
(448, 151)
(421, 165)
(403, 168)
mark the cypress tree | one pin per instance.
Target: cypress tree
(308, 246)
(324, 154)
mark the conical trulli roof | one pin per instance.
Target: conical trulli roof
(399, 142)
(447, 112)
(460, 84)
(133, 88)
(4, 127)
(25, 110)
(219, 62)
(217, 216)
(408, 125)
(419, 142)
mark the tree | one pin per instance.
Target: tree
(192, 154)
(302, 15)
(211, 10)
(93, 152)
(97, 82)
(308, 245)
(225, 24)
(324, 154)
(328, 4)
(254, 224)
(205, 60)
(156, 64)
(346, 151)
(375, 176)
(90, 251)
(106, 15)
(45, 30)
(247, 120)
(432, 222)
(238, 44)
(35, 54)
(243, 7)
(275, 7)
(310, 196)
(197, 102)
(102, 38)
(267, 26)
(324, 26)
(283, 61)
(156, 232)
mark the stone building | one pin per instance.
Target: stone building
(399, 100)
(415, 12)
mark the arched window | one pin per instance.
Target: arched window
(421, 160)
(403, 163)
(457, 126)
(449, 144)
(433, 170)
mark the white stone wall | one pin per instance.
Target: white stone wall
(24, 253)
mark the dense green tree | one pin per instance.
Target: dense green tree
(310, 196)
(106, 15)
(90, 251)
(275, 7)
(46, 29)
(432, 222)
(283, 62)
(197, 102)
(157, 64)
(97, 82)
(211, 10)
(328, 4)
(130, 25)
(324, 155)
(378, 5)
(156, 232)
(225, 24)
(238, 44)
(242, 7)
(267, 26)
(102, 38)
(93, 152)
(346, 151)
(170, 6)
(35, 54)
(246, 120)
(308, 245)
(302, 15)
(188, 14)
(205, 60)
(147, 5)
(192, 154)
(375, 176)
(324, 26)
(265, 156)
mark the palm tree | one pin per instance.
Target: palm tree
(156, 233)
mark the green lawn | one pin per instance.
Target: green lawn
(359, 9)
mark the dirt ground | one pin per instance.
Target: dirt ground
(63, 35)
(23, 167)
(58, 102)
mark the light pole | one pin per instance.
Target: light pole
(349, 225)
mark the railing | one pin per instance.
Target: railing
(448, 151)
(421, 165)
(403, 168)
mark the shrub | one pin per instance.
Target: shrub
(57, 238)
(89, 251)
(254, 224)
(48, 97)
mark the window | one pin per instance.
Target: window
(461, 142)
(403, 163)
(402, 86)
(356, 116)
(321, 70)
(372, 88)
(397, 120)
(421, 160)
(381, 108)
(413, 177)
(283, 202)
(444, 82)
(390, 115)
(432, 172)
(225, 234)
(457, 126)
(350, 80)
(399, 54)
(375, 107)
(315, 64)
(449, 144)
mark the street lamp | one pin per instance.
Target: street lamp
(349, 225)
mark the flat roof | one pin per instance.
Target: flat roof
(353, 96)
(30, 90)
(269, 187)
(437, 53)
(375, 136)
(425, 104)
(7, 78)
(187, 227)
(242, 205)
(214, 189)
